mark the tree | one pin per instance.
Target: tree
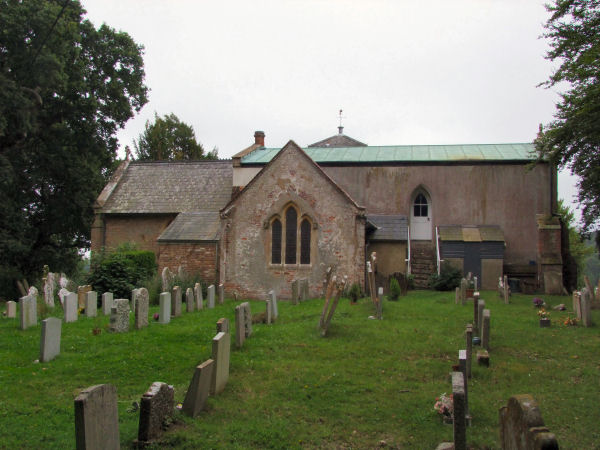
(578, 250)
(65, 89)
(572, 139)
(169, 139)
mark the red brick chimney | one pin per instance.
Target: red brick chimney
(259, 138)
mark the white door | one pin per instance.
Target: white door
(420, 218)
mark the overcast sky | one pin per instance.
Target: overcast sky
(403, 71)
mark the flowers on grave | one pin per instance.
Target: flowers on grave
(571, 321)
(444, 406)
(538, 302)
(543, 314)
(155, 316)
(81, 310)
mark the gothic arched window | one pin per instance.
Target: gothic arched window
(276, 242)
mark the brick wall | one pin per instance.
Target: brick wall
(195, 258)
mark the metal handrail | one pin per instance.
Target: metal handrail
(407, 260)
(437, 250)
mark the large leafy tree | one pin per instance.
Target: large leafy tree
(572, 139)
(169, 139)
(66, 87)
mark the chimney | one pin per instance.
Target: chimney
(259, 138)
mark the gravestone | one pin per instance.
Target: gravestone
(463, 290)
(197, 393)
(506, 291)
(70, 307)
(176, 301)
(119, 316)
(97, 418)
(475, 311)
(134, 293)
(28, 311)
(220, 356)
(295, 292)
(142, 306)
(11, 309)
(522, 426)
(166, 279)
(457, 296)
(462, 363)
(221, 294)
(469, 335)
(91, 304)
(155, 406)
(48, 288)
(274, 309)
(63, 291)
(577, 304)
(50, 341)
(189, 300)
(379, 303)
(268, 311)
(485, 330)
(198, 296)
(247, 319)
(164, 312)
(586, 308)
(81, 291)
(483, 358)
(304, 289)
(474, 283)
(107, 302)
(460, 411)
(211, 296)
(240, 326)
(223, 325)
(480, 308)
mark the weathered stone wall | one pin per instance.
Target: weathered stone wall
(391, 257)
(508, 195)
(142, 229)
(337, 232)
(195, 258)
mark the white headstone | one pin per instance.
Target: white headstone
(198, 296)
(50, 341)
(211, 296)
(274, 310)
(91, 304)
(11, 309)
(164, 315)
(70, 307)
(28, 311)
(107, 302)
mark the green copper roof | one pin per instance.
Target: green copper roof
(406, 153)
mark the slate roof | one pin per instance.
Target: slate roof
(171, 187)
(199, 226)
(339, 140)
(388, 227)
(406, 154)
(466, 233)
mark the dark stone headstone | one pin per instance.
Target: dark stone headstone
(155, 406)
(97, 418)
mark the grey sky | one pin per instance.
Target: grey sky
(404, 72)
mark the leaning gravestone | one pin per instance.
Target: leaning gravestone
(91, 304)
(197, 393)
(198, 296)
(211, 296)
(70, 307)
(11, 310)
(189, 300)
(522, 426)
(155, 406)
(50, 341)
(164, 312)
(221, 294)
(220, 355)
(274, 310)
(176, 302)
(586, 308)
(119, 316)
(107, 302)
(28, 311)
(97, 418)
(247, 319)
(142, 305)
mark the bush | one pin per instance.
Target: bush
(448, 279)
(121, 271)
(395, 290)
(355, 292)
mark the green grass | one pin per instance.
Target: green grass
(368, 381)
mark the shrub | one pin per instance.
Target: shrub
(355, 292)
(448, 279)
(395, 290)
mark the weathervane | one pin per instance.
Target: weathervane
(341, 128)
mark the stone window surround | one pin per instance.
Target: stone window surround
(301, 217)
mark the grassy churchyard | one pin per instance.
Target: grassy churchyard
(367, 384)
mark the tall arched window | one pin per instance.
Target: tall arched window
(305, 242)
(276, 242)
(291, 230)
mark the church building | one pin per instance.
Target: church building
(270, 216)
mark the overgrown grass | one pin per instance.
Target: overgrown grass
(368, 381)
